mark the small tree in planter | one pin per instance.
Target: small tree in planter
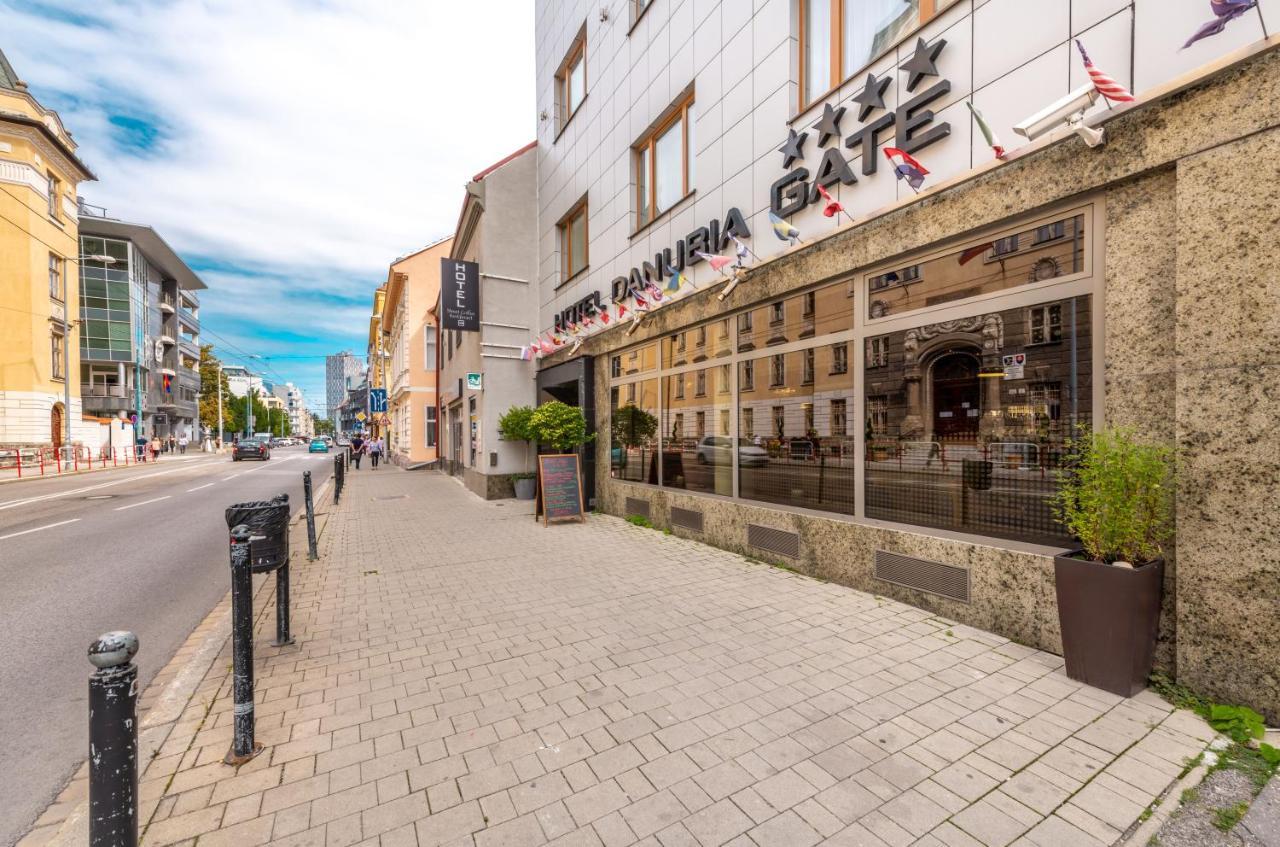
(515, 425)
(1116, 498)
(559, 426)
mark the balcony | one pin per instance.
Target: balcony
(104, 398)
(166, 304)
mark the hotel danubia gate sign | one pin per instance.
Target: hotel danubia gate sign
(910, 128)
(460, 295)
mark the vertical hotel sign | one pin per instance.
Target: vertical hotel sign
(460, 295)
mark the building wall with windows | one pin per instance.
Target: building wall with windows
(658, 118)
(497, 229)
(410, 333)
(39, 175)
(342, 372)
(905, 383)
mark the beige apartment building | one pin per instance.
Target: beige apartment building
(409, 342)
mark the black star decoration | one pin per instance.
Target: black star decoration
(793, 147)
(923, 62)
(872, 95)
(829, 124)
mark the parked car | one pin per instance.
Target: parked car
(714, 450)
(318, 445)
(251, 448)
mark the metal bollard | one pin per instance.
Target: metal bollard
(283, 636)
(113, 741)
(337, 480)
(312, 555)
(243, 747)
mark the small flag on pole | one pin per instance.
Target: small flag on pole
(1224, 11)
(622, 310)
(1107, 87)
(987, 132)
(546, 346)
(833, 206)
(675, 279)
(974, 252)
(741, 250)
(784, 230)
(604, 316)
(526, 353)
(906, 167)
(718, 263)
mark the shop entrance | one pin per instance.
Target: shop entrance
(573, 383)
(956, 397)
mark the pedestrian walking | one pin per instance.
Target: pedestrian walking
(375, 452)
(357, 450)
(182, 444)
(156, 444)
(173, 444)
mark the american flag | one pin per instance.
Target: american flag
(1106, 86)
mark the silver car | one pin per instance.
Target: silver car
(714, 450)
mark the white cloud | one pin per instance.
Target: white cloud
(314, 141)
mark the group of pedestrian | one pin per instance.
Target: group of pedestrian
(374, 448)
(153, 448)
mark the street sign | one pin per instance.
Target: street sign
(475, 382)
(1015, 366)
(460, 295)
(360, 416)
(377, 399)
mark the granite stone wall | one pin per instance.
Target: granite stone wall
(1190, 187)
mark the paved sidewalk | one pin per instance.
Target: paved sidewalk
(465, 676)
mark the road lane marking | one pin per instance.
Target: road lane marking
(37, 529)
(198, 487)
(143, 503)
(14, 503)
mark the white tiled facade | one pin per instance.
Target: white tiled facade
(1011, 58)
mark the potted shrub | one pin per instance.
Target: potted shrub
(559, 426)
(1116, 498)
(514, 425)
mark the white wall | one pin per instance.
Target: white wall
(1011, 57)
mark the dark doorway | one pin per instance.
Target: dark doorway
(56, 426)
(956, 397)
(573, 383)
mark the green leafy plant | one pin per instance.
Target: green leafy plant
(1239, 723)
(559, 426)
(1117, 496)
(514, 425)
(640, 520)
(1226, 818)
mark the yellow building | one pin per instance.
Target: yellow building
(409, 340)
(39, 293)
(376, 356)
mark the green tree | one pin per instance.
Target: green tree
(321, 426)
(210, 377)
(515, 425)
(559, 426)
(633, 426)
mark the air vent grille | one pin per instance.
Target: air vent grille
(636, 506)
(923, 575)
(774, 540)
(687, 518)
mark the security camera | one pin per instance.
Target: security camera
(1069, 111)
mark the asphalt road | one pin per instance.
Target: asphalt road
(143, 549)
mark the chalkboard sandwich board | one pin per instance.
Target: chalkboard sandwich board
(559, 488)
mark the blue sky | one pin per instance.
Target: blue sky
(288, 150)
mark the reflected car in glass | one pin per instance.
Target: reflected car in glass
(714, 450)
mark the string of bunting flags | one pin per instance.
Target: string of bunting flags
(906, 167)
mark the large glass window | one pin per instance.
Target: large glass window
(633, 431)
(806, 457)
(573, 240)
(1039, 254)
(796, 318)
(967, 423)
(571, 80)
(106, 308)
(696, 428)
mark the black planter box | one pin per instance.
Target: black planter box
(1110, 617)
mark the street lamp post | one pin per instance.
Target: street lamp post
(220, 435)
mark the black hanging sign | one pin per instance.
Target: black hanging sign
(559, 488)
(460, 295)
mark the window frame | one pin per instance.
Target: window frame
(577, 51)
(565, 227)
(54, 187)
(839, 75)
(57, 277)
(431, 426)
(57, 363)
(644, 156)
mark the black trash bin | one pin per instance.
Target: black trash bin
(976, 474)
(268, 522)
